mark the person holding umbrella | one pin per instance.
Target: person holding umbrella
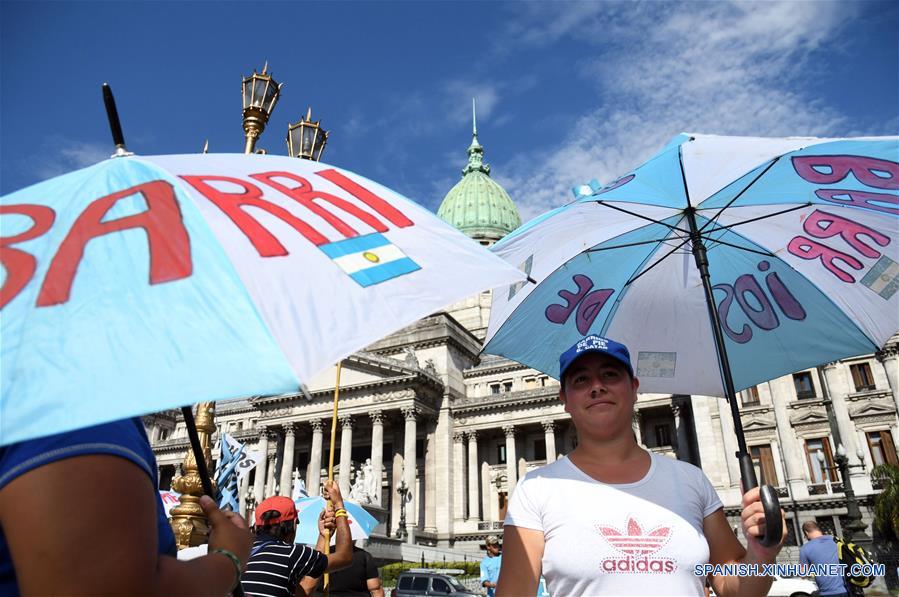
(612, 518)
(277, 564)
(80, 513)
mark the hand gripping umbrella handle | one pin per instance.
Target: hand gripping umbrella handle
(770, 502)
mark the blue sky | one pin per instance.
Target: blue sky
(567, 91)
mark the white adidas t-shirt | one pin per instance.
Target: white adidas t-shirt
(640, 538)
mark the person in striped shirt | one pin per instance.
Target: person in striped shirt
(277, 565)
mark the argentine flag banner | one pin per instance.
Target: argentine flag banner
(369, 259)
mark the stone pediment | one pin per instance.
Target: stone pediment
(871, 408)
(756, 422)
(808, 417)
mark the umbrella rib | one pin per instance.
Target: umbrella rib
(766, 216)
(740, 194)
(721, 242)
(663, 258)
(641, 216)
(624, 246)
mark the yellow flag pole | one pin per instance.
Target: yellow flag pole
(326, 588)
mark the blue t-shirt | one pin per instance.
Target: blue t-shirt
(490, 566)
(125, 438)
(823, 550)
(490, 571)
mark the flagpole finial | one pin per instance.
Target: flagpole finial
(474, 119)
(265, 67)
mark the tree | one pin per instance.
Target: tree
(886, 504)
(886, 520)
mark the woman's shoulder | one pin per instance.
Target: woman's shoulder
(559, 469)
(679, 468)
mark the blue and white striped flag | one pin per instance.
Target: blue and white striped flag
(226, 475)
(370, 259)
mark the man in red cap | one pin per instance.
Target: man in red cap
(277, 564)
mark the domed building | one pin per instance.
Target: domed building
(478, 205)
(482, 209)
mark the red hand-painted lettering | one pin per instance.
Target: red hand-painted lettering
(305, 195)
(821, 224)
(234, 204)
(167, 239)
(806, 248)
(828, 169)
(19, 265)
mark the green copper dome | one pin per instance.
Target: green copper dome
(477, 205)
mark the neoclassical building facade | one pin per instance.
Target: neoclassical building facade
(424, 406)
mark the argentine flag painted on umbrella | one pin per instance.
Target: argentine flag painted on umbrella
(370, 259)
(146, 283)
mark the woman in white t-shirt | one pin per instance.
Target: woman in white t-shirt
(613, 519)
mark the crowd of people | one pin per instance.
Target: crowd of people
(80, 513)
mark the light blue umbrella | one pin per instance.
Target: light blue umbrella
(361, 522)
(722, 262)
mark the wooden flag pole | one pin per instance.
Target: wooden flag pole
(326, 587)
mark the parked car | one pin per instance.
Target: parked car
(428, 582)
(784, 586)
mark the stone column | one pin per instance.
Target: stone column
(889, 358)
(286, 482)
(683, 439)
(730, 444)
(259, 484)
(550, 438)
(346, 454)
(511, 459)
(270, 477)
(835, 390)
(638, 430)
(154, 433)
(486, 502)
(458, 479)
(473, 474)
(791, 450)
(396, 475)
(377, 452)
(430, 484)
(410, 462)
(314, 471)
(242, 491)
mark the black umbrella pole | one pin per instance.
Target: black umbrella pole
(767, 494)
(197, 450)
(115, 126)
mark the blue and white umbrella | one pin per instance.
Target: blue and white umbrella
(799, 238)
(361, 522)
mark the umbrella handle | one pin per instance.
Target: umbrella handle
(770, 502)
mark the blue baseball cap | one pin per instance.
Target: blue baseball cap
(594, 343)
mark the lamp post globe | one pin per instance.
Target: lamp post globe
(260, 94)
(307, 139)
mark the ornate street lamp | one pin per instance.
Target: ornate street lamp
(854, 529)
(260, 94)
(403, 490)
(306, 139)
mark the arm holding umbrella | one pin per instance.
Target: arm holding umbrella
(725, 549)
(106, 542)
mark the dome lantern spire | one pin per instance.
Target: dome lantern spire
(475, 150)
(477, 205)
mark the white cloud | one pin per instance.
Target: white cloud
(67, 155)
(661, 69)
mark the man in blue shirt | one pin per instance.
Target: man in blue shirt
(490, 565)
(822, 549)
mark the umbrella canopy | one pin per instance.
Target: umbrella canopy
(802, 239)
(146, 283)
(308, 509)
